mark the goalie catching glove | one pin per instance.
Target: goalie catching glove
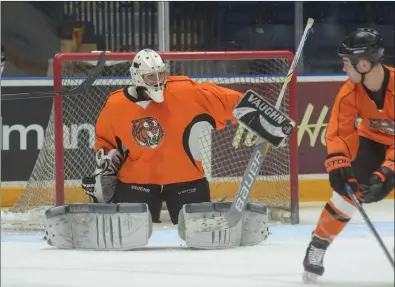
(100, 187)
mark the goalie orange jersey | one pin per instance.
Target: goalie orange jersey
(376, 124)
(162, 140)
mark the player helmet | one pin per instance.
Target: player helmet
(363, 42)
(149, 72)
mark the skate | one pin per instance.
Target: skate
(314, 259)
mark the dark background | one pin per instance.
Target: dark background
(33, 37)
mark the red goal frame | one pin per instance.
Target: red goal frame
(179, 56)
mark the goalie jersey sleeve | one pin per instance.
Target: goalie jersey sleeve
(106, 135)
(376, 123)
(104, 132)
(218, 101)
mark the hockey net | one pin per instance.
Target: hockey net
(67, 152)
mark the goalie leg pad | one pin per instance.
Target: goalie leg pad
(251, 230)
(104, 188)
(121, 226)
(255, 224)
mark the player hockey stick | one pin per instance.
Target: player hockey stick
(90, 79)
(235, 212)
(369, 223)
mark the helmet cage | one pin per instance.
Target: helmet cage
(149, 72)
(155, 79)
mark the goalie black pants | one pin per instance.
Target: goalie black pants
(175, 195)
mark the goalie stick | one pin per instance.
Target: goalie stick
(235, 213)
(369, 223)
(90, 79)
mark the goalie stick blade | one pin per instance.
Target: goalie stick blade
(90, 79)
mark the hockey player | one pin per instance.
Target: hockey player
(148, 151)
(361, 157)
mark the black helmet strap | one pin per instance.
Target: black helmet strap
(365, 73)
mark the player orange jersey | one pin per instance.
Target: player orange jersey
(162, 140)
(376, 124)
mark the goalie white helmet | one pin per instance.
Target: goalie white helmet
(150, 72)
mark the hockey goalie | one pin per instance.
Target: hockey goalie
(147, 151)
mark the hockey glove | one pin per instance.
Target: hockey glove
(381, 183)
(340, 172)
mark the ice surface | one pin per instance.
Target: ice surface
(355, 259)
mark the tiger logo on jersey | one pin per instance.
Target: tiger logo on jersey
(147, 132)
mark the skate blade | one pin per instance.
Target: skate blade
(309, 278)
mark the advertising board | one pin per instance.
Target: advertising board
(25, 121)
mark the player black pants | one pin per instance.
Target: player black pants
(370, 156)
(175, 195)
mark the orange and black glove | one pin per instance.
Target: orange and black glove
(381, 182)
(340, 172)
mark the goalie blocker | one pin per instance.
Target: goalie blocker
(262, 118)
(127, 226)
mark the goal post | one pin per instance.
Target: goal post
(67, 153)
